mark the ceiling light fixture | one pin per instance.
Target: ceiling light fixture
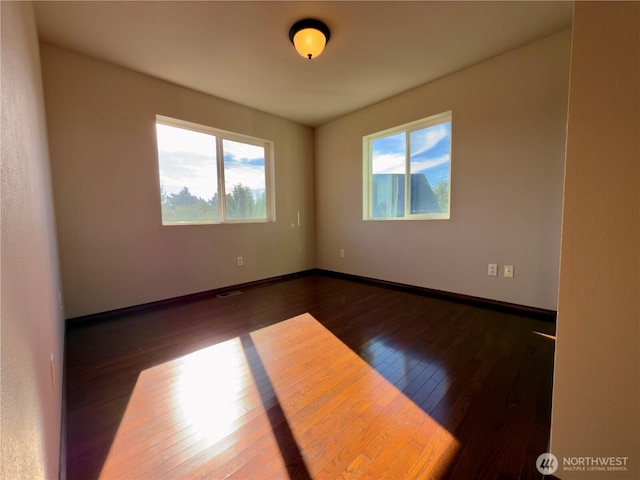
(309, 36)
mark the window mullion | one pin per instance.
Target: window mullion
(407, 179)
(222, 196)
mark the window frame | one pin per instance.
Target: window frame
(220, 136)
(367, 179)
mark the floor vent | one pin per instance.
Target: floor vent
(229, 294)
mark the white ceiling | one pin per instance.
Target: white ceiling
(240, 50)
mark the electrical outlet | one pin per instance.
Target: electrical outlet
(492, 271)
(508, 271)
(240, 261)
(342, 253)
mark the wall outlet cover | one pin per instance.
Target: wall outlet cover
(492, 270)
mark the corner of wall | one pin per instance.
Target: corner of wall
(32, 320)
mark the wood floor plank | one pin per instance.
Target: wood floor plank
(374, 383)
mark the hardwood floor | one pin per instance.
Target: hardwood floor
(475, 402)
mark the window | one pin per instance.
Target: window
(211, 176)
(407, 171)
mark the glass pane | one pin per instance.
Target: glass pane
(245, 180)
(188, 175)
(430, 169)
(388, 167)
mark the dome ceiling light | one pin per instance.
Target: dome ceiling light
(309, 36)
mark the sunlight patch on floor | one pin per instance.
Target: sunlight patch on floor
(209, 389)
(205, 414)
(545, 335)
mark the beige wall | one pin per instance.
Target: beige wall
(596, 398)
(31, 321)
(114, 251)
(508, 141)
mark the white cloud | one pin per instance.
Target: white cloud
(430, 163)
(202, 184)
(388, 163)
(425, 139)
(251, 176)
(242, 152)
(174, 139)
